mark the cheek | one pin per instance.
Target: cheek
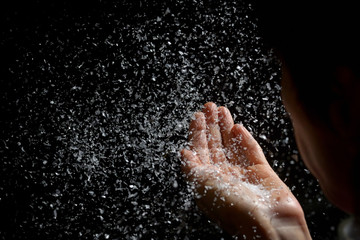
(305, 147)
(288, 93)
(301, 124)
(312, 145)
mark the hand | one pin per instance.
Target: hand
(235, 185)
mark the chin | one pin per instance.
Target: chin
(340, 195)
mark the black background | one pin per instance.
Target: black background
(37, 165)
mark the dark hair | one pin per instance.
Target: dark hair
(313, 38)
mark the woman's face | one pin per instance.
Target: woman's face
(320, 148)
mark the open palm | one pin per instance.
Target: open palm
(235, 185)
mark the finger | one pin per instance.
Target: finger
(226, 123)
(189, 160)
(247, 150)
(196, 170)
(213, 130)
(198, 141)
(213, 133)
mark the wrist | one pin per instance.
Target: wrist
(291, 229)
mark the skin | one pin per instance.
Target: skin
(235, 185)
